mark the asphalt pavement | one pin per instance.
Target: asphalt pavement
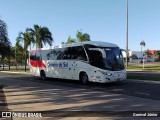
(22, 92)
(144, 73)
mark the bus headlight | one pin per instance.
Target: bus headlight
(108, 74)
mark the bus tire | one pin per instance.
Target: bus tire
(43, 75)
(84, 78)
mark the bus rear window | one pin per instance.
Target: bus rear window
(35, 56)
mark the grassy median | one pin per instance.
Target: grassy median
(151, 66)
(154, 66)
(20, 69)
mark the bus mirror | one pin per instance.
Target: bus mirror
(123, 50)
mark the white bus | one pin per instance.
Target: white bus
(85, 61)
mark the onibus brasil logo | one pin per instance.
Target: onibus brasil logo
(20, 114)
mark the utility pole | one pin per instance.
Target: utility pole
(127, 33)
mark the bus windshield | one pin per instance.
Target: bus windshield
(108, 58)
(113, 59)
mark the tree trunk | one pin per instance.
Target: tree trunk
(15, 59)
(25, 59)
(141, 51)
(9, 61)
(3, 63)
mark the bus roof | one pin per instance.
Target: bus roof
(100, 44)
(96, 43)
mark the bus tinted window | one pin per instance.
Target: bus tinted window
(87, 47)
(53, 54)
(78, 53)
(81, 55)
(73, 53)
(66, 53)
(96, 59)
(35, 56)
(32, 56)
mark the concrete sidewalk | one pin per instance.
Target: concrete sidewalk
(144, 73)
(3, 103)
(16, 72)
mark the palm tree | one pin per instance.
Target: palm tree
(26, 38)
(82, 37)
(41, 35)
(70, 40)
(142, 43)
(18, 50)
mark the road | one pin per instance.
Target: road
(25, 93)
(144, 73)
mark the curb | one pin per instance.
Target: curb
(143, 71)
(15, 72)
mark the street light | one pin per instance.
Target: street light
(127, 33)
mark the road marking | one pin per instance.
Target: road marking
(142, 93)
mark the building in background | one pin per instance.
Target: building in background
(137, 56)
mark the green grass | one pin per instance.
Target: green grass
(155, 67)
(14, 70)
(153, 78)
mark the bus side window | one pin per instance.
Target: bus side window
(97, 59)
(66, 53)
(87, 47)
(37, 56)
(45, 55)
(73, 53)
(81, 55)
(52, 55)
(58, 54)
(32, 56)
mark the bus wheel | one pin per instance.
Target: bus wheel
(43, 75)
(84, 78)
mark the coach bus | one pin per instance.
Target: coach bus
(89, 61)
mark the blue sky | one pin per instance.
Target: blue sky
(103, 20)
